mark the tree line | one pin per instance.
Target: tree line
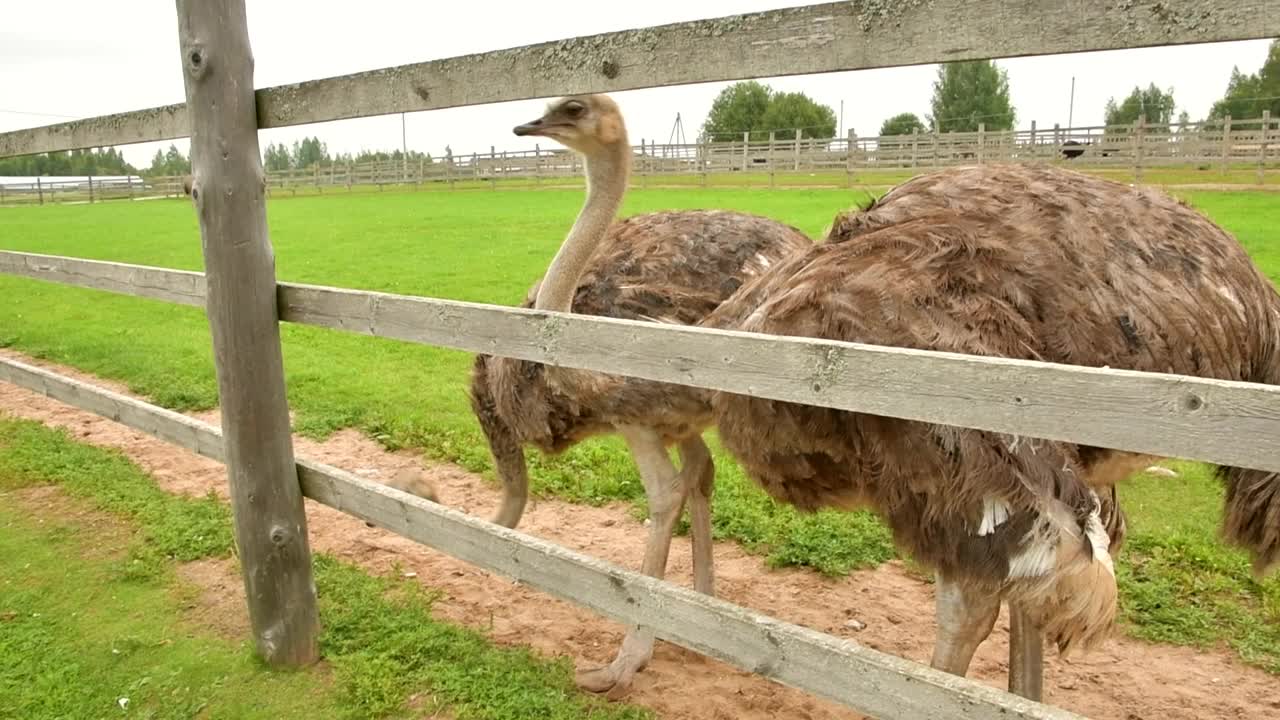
(311, 151)
(973, 93)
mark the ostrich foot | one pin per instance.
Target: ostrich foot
(614, 679)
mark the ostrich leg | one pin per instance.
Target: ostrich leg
(1026, 655)
(664, 489)
(698, 475)
(965, 618)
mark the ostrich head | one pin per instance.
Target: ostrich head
(588, 124)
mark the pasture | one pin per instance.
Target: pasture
(1179, 584)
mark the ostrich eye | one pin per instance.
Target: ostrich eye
(575, 110)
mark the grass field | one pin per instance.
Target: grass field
(1180, 585)
(92, 621)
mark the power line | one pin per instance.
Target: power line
(38, 114)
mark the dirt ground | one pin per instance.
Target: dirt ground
(1125, 680)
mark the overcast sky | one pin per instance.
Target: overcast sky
(62, 59)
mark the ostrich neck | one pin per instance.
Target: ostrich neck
(606, 184)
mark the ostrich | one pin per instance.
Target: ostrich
(669, 267)
(414, 482)
(1022, 262)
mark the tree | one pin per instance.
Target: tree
(737, 109)
(1157, 105)
(169, 162)
(797, 110)
(969, 93)
(1248, 95)
(308, 152)
(902, 124)
(276, 158)
(758, 109)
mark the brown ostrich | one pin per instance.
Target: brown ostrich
(1021, 262)
(414, 482)
(667, 267)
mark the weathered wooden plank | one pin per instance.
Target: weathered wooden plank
(176, 428)
(874, 683)
(159, 123)
(881, 685)
(1167, 415)
(1170, 415)
(175, 286)
(240, 301)
(820, 38)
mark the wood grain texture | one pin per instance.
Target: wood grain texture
(227, 190)
(878, 684)
(176, 428)
(820, 38)
(175, 286)
(1170, 415)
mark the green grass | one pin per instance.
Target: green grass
(489, 246)
(471, 246)
(1178, 584)
(89, 613)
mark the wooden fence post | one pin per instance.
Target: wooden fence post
(1035, 149)
(493, 170)
(795, 153)
(850, 147)
(773, 138)
(746, 150)
(1139, 146)
(90, 189)
(448, 167)
(266, 500)
(1262, 149)
(982, 139)
(704, 158)
(915, 147)
(1226, 144)
(645, 149)
(39, 190)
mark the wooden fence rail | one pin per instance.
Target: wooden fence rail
(1169, 415)
(823, 38)
(840, 670)
(1179, 416)
(1220, 145)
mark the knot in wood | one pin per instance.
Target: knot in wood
(610, 69)
(280, 535)
(828, 366)
(195, 60)
(1192, 402)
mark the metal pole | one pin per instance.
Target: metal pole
(1071, 105)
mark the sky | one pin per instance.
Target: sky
(65, 59)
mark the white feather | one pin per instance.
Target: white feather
(1038, 560)
(995, 512)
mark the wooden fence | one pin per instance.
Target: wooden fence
(1211, 145)
(1222, 145)
(1217, 421)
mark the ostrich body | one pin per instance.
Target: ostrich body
(670, 267)
(1020, 262)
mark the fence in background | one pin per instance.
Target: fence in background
(1245, 146)
(1224, 422)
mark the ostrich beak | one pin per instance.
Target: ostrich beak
(530, 128)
